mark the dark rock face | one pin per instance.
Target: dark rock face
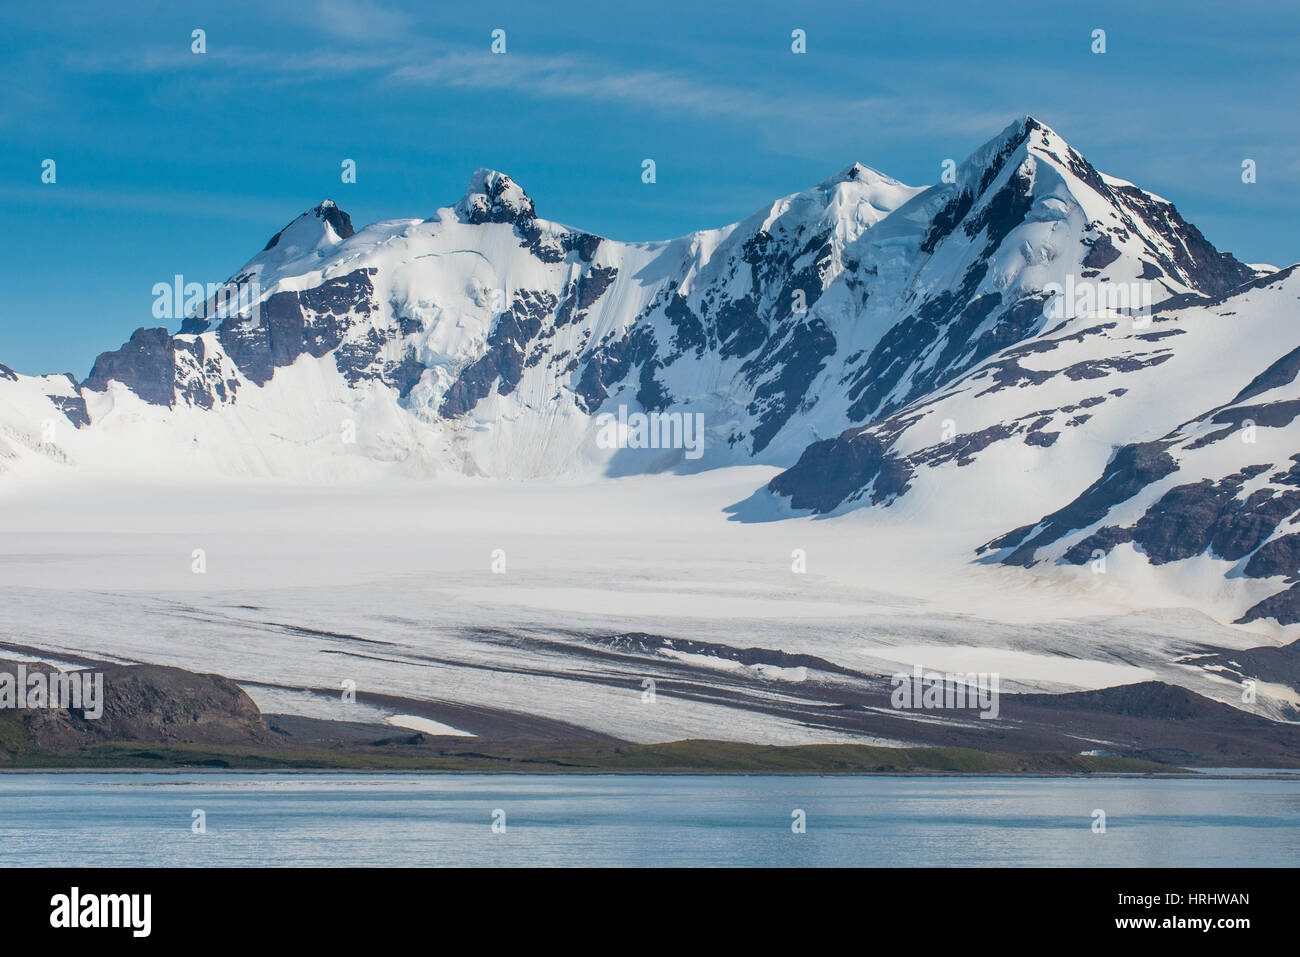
(8, 373)
(1273, 415)
(502, 363)
(862, 459)
(583, 293)
(291, 324)
(1197, 518)
(340, 221)
(690, 335)
(1005, 211)
(1281, 556)
(611, 363)
(740, 328)
(1284, 607)
(360, 361)
(72, 406)
(796, 363)
(1211, 272)
(898, 350)
(773, 326)
(146, 365)
(951, 315)
(288, 325)
(584, 244)
(833, 470)
(947, 220)
(206, 387)
(150, 704)
(1101, 254)
(1147, 699)
(787, 272)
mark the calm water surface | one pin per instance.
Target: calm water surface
(358, 820)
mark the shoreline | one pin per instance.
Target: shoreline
(1283, 774)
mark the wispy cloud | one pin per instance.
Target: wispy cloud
(155, 60)
(580, 78)
(360, 19)
(196, 206)
(570, 77)
(585, 79)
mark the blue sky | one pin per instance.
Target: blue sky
(171, 162)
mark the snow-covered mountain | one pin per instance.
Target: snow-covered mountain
(1029, 341)
(486, 340)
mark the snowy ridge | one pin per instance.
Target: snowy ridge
(484, 340)
(892, 348)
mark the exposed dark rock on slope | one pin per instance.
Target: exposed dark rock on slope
(145, 704)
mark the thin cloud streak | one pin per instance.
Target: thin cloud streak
(247, 209)
(562, 77)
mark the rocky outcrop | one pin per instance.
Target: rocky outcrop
(146, 365)
(149, 704)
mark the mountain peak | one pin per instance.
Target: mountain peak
(854, 199)
(1026, 126)
(1021, 133)
(302, 228)
(339, 221)
(493, 197)
(859, 173)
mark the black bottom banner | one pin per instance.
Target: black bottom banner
(143, 906)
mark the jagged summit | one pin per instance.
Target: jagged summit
(1010, 149)
(1021, 147)
(827, 309)
(309, 229)
(860, 173)
(1025, 128)
(493, 197)
(340, 221)
(840, 302)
